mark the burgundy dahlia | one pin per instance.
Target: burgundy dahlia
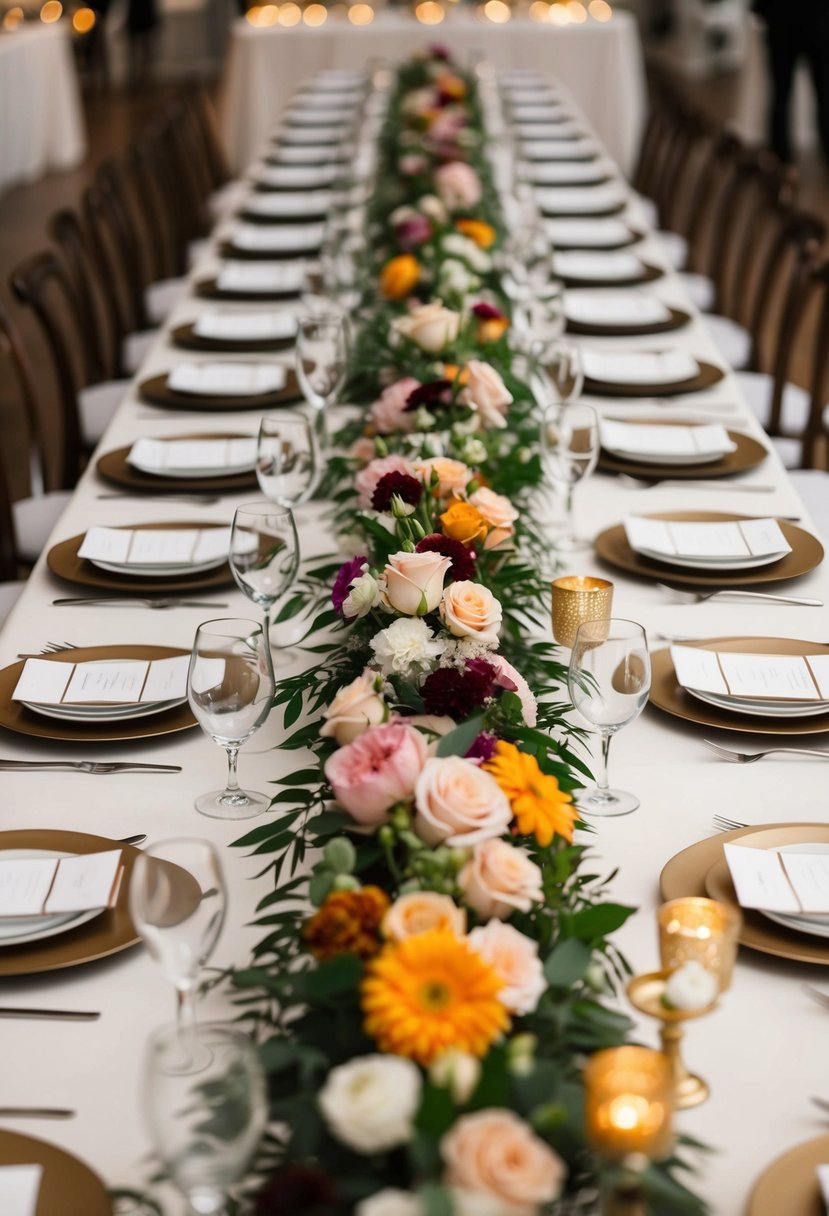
(434, 394)
(405, 487)
(453, 692)
(345, 577)
(483, 747)
(413, 232)
(462, 557)
(297, 1190)
(487, 312)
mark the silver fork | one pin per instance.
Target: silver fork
(49, 648)
(726, 753)
(199, 500)
(681, 483)
(130, 601)
(723, 824)
(698, 597)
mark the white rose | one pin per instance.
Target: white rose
(390, 1202)
(369, 1103)
(514, 958)
(456, 1071)
(475, 1203)
(471, 610)
(458, 803)
(405, 644)
(455, 279)
(462, 247)
(691, 987)
(414, 582)
(354, 709)
(500, 879)
(431, 206)
(363, 595)
(431, 326)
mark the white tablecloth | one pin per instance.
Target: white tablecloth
(41, 121)
(763, 1051)
(600, 62)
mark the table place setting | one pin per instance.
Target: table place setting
(287, 206)
(37, 1178)
(588, 267)
(619, 314)
(222, 385)
(313, 137)
(610, 198)
(568, 173)
(296, 155)
(558, 150)
(605, 234)
(246, 280)
(111, 690)
(293, 177)
(205, 462)
(646, 373)
(564, 130)
(271, 240)
(658, 448)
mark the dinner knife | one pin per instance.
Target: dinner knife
(67, 1015)
(35, 1112)
(85, 766)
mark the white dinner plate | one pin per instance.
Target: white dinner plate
(660, 458)
(761, 709)
(816, 925)
(101, 713)
(714, 564)
(17, 930)
(224, 470)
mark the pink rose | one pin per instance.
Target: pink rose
(458, 803)
(446, 126)
(377, 770)
(471, 610)
(420, 912)
(354, 709)
(458, 185)
(500, 879)
(365, 482)
(513, 681)
(486, 393)
(496, 1154)
(389, 411)
(414, 581)
(362, 449)
(453, 475)
(412, 163)
(514, 958)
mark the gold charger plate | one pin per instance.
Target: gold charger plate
(22, 721)
(601, 177)
(633, 238)
(186, 337)
(789, 1186)
(115, 468)
(748, 454)
(67, 1187)
(108, 933)
(647, 275)
(240, 254)
(209, 289)
(687, 872)
(707, 376)
(157, 392)
(806, 553)
(62, 559)
(676, 320)
(667, 695)
(576, 213)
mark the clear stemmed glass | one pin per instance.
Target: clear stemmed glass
(569, 452)
(564, 367)
(287, 458)
(321, 357)
(230, 687)
(177, 904)
(206, 1111)
(547, 322)
(527, 265)
(609, 681)
(264, 554)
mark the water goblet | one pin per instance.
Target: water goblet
(287, 458)
(569, 452)
(230, 687)
(321, 357)
(264, 554)
(564, 367)
(609, 680)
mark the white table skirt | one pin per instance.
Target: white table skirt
(599, 62)
(763, 1051)
(41, 121)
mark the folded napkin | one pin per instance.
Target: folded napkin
(629, 308)
(634, 367)
(264, 277)
(154, 546)
(19, 1189)
(302, 202)
(563, 129)
(705, 442)
(49, 886)
(560, 149)
(174, 455)
(706, 540)
(118, 682)
(246, 326)
(582, 200)
(281, 238)
(612, 267)
(226, 379)
(567, 173)
(587, 234)
(297, 177)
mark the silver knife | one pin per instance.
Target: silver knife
(69, 1015)
(86, 766)
(35, 1112)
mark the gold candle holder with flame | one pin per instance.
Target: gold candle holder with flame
(578, 598)
(646, 993)
(703, 930)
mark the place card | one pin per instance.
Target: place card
(774, 881)
(566, 173)
(763, 677)
(284, 238)
(297, 177)
(587, 234)
(172, 456)
(667, 441)
(110, 682)
(629, 308)
(581, 264)
(19, 1189)
(49, 886)
(634, 367)
(154, 546)
(580, 200)
(712, 541)
(289, 202)
(246, 326)
(264, 277)
(227, 379)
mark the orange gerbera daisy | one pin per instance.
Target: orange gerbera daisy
(429, 993)
(347, 923)
(540, 808)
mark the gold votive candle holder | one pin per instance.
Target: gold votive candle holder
(646, 993)
(578, 598)
(629, 1099)
(700, 930)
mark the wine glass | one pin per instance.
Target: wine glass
(546, 317)
(609, 681)
(564, 367)
(206, 1112)
(527, 266)
(287, 458)
(230, 687)
(264, 554)
(177, 904)
(321, 356)
(569, 452)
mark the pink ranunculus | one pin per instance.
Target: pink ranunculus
(388, 413)
(365, 482)
(377, 770)
(494, 1153)
(513, 681)
(458, 185)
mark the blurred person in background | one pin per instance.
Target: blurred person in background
(795, 30)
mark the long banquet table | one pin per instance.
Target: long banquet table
(600, 62)
(763, 1051)
(41, 122)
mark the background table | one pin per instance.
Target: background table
(601, 64)
(41, 122)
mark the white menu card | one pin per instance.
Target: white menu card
(46, 886)
(791, 882)
(591, 307)
(226, 379)
(289, 202)
(635, 367)
(161, 455)
(584, 200)
(642, 439)
(19, 1189)
(110, 682)
(707, 540)
(155, 546)
(236, 326)
(283, 238)
(787, 677)
(583, 264)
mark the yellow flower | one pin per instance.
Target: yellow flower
(481, 233)
(540, 808)
(458, 375)
(347, 923)
(464, 522)
(430, 993)
(451, 86)
(399, 277)
(492, 328)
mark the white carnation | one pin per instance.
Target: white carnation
(691, 987)
(474, 452)
(390, 1202)
(407, 643)
(369, 1103)
(462, 247)
(363, 596)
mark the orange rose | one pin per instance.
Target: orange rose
(451, 86)
(491, 329)
(482, 234)
(458, 375)
(399, 277)
(464, 522)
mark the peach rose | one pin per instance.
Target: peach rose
(513, 681)
(431, 326)
(496, 1154)
(486, 392)
(377, 770)
(354, 709)
(362, 449)
(365, 482)
(388, 413)
(471, 610)
(500, 879)
(496, 509)
(453, 475)
(421, 911)
(414, 582)
(458, 185)
(458, 803)
(514, 958)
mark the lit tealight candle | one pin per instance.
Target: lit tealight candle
(629, 1103)
(578, 598)
(429, 12)
(703, 930)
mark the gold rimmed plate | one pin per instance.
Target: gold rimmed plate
(668, 695)
(15, 717)
(157, 391)
(67, 1186)
(572, 211)
(646, 274)
(687, 874)
(209, 289)
(241, 253)
(676, 320)
(64, 562)
(806, 554)
(634, 236)
(707, 376)
(115, 468)
(748, 454)
(789, 1186)
(187, 338)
